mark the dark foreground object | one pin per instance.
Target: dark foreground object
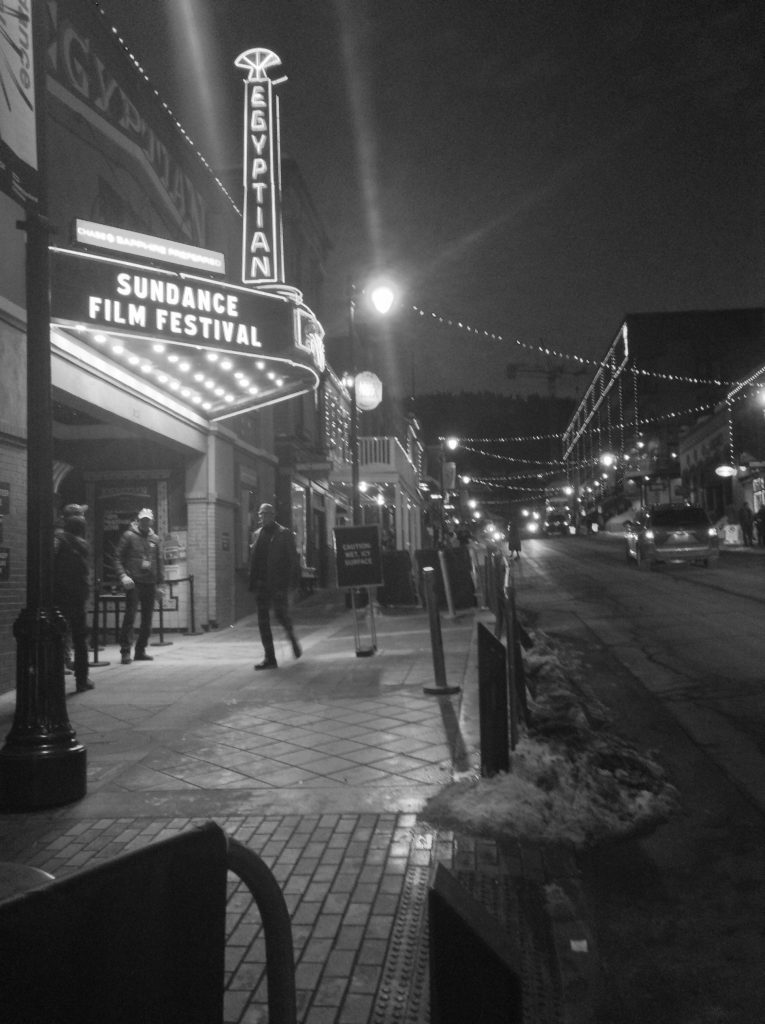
(475, 970)
(139, 938)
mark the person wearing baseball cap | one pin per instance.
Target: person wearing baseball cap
(139, 566)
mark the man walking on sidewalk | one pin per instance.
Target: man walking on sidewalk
(273, 572)
(138, 562)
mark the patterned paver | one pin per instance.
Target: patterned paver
(320, 768)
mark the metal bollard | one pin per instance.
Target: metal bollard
(436, 641)
(192, 630)
(161, 642)
(96, 631)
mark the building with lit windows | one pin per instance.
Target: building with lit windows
(662, 374)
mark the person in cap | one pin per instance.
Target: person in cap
(71, 585)
(139, 567)
(273, 572)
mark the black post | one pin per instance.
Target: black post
(436, 640)
(96, 633)
(41, 764)
(355, 496)
(161, 642)
(192, 631)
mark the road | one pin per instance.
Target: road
(692, 636)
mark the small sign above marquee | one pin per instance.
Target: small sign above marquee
(136, 244)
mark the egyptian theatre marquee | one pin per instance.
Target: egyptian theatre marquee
(163, 309)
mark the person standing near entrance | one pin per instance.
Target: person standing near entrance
(71, 584)
(746, 518)
(138, 562)
(273, 573)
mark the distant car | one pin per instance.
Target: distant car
(671, 533)
(530, 522)
(558, 522)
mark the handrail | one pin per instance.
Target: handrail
(280, 957)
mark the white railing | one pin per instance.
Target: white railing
(387, 455)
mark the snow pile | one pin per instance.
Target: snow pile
(570, 779)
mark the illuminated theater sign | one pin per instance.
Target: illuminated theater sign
(265, 346)
(154, 307)
(262, 257)
(135, 300)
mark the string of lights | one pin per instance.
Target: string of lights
(557, 354)
(507, 458)
(169, 112)
(497, 481)
(642, 422)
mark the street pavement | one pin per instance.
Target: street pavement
(321, 767)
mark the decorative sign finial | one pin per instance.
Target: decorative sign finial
(257, 61)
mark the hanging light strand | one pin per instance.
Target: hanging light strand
(168, 111)
(556, 353)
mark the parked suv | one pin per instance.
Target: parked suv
(671, 533)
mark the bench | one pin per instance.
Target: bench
(140, 938)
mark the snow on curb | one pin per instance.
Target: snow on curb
(571, 779)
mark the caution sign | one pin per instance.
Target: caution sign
(359, 562)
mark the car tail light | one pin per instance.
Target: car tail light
(712, 531)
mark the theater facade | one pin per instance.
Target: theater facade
(174, 334)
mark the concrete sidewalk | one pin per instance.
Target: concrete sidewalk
(321, 767)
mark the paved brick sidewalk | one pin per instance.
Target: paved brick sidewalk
(321, 768)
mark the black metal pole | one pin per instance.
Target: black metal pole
(355, 495)
(41, 764)
(96, 635)
(436, 640)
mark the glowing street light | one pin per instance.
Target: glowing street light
(382, 297)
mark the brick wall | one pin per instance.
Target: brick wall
(13, 472)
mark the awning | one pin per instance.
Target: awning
(222, 349)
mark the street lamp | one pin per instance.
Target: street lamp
(42, 764)
(365, 388)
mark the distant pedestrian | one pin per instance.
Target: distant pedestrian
(746, 519)
(273, 573)
(513, 538)
(71, 585)
(759, 522)
(138, 562)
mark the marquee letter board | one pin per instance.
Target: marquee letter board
(359, 563)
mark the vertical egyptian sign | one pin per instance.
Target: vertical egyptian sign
(262, 256)
(18, 134)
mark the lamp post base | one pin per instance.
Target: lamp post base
(34, 780)
(42, 764)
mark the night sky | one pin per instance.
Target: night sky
(534, 169)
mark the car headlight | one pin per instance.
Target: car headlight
(533, 527)
(649, 534)
(712, 531)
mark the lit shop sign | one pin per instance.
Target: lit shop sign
(140, 301)
(133, 243)
(262, 257)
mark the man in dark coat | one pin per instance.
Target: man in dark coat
(273, 573)
(71, 584)
(138, 562)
